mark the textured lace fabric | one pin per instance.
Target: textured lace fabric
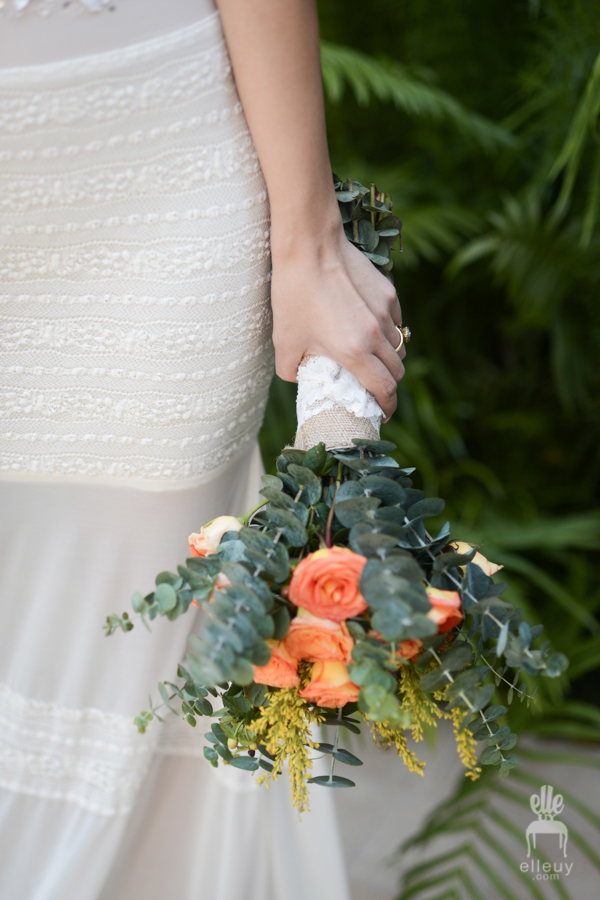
(89, 757)
(134, 275)
(47, 7)
(325, 385)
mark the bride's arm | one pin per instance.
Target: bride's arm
(327, 298)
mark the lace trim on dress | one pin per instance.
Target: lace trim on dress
(89, 757)
(139, 52)
(92, 758)
(45, 7)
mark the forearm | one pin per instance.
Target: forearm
(274, 50)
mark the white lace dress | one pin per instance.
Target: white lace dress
(135, 359)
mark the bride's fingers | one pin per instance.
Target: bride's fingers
(377, 379)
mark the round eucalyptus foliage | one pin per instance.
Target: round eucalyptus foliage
(368, 222)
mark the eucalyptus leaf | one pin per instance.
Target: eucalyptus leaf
(343, 756)
(277, 498)
(318, 459)
(350, 511)
(373, 544)
(431, 506)
(271, 481)
(391, 620)
(166, 597)
(281, 619)
(295, 532)
(348, 490)
(388, 491)
(490, 757)
(307, 479)
(211, 755)
(334, 781)
(247, 763)
(242, 672)
(375, 447)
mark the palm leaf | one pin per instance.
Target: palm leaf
(583, 125)
(391, 82)
(486, 844)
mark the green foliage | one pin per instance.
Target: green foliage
(368, 222)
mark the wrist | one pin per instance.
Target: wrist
(317, 232)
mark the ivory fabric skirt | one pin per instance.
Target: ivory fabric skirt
(135, 359)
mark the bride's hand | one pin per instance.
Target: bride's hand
(329, 300)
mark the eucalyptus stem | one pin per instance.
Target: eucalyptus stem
(468, 703)
(329, 525)
(335, 743)
(245, 519)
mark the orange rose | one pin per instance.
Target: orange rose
(479, 559)
(281, 670)
(446, 612)
(330, 685)
(408, 649)
(326, 584)
(206, 541)
(312, 639)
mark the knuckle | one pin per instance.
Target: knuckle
(354, 348)
(391, 296)
(388, 389)
(372, 330)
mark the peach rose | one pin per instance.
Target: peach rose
(312, 639)
(206, 541)
(326, 584)
(479, 559)
(446, 611)
(330, 685)
(281, 670)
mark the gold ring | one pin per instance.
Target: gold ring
(404, 333)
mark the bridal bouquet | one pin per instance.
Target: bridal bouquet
(331, 603)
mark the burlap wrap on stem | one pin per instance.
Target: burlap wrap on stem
(336, 425)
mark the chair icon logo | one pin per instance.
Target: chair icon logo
(546, 806)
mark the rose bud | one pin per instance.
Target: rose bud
(479, 559)
(206, 541)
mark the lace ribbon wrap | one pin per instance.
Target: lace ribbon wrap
(333, 407)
